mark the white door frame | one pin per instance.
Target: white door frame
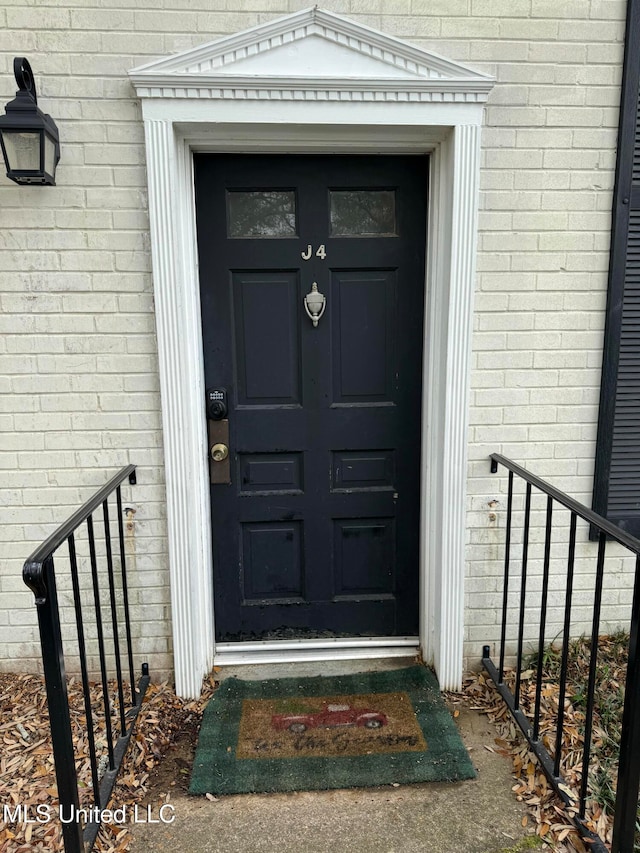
(185, 109)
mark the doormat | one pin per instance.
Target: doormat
(305, 734)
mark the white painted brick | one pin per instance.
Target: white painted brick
(532, 414)
(407, 26)
(594, 138)
(132, 176)
(65, 324)
(516, 201)
(488, 379)
(572, 241)
(531, 378)
(540, 220)
(605, 53)
(487, 415)
(570, 159)
(563, 321)
(608, 32)
(568, 201)
(534, 138)
(24, 344)
(115, 282)
(517, 116)
(555, 53)
(103, 20)
(14, 364)
(442, 7)
(557, 396)
(587, 261)
(515, 159)
(530, 30)
(542, 180)
(518, 72)
(499, 397)
(495, 221)
(492, 360)
(576, 9)
(543, 261)
(606, 96)
(501, 179)
(23, 18)
(493, 301)
(505, 322)
(603, 202)
(493, 262)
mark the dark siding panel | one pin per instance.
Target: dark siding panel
(616, 492)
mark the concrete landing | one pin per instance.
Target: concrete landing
(478, 816)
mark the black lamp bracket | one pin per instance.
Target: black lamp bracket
(24, 77)
(26, 97)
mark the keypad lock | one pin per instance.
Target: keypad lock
(218, 430)
(217, 407)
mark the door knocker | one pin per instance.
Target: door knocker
(314, 304)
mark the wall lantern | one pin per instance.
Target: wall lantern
(29, 138)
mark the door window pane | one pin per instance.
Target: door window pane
(363, 213)
(262, 213)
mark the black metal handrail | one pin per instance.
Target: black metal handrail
(39, 576)
(628, 784)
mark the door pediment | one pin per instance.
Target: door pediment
(308, 52)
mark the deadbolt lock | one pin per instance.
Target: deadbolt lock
(219, 452)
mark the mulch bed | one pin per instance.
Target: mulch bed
(546, 811)
(27, 775)
(159, 758)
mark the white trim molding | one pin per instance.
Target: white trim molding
(314, 82)
(311, 55)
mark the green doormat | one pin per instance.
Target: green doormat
(303, 734)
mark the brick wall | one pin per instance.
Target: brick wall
(547, 180)
(78, 367)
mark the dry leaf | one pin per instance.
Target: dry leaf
(550, 815)
(27, 775)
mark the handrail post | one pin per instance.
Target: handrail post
(626, 808)
(58, 703)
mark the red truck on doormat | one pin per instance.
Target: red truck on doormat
(330, 716)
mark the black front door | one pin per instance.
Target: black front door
(317, 532)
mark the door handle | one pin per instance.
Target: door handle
(219, 461)
(219, 452)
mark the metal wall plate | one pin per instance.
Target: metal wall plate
(219, 472)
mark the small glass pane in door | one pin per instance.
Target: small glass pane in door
(262, 213)
(363, 213)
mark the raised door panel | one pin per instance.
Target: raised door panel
(267, 335)
(364, 336)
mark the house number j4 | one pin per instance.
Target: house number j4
(320, 252)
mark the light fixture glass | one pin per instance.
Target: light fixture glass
(23, 149)
(51, 155)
